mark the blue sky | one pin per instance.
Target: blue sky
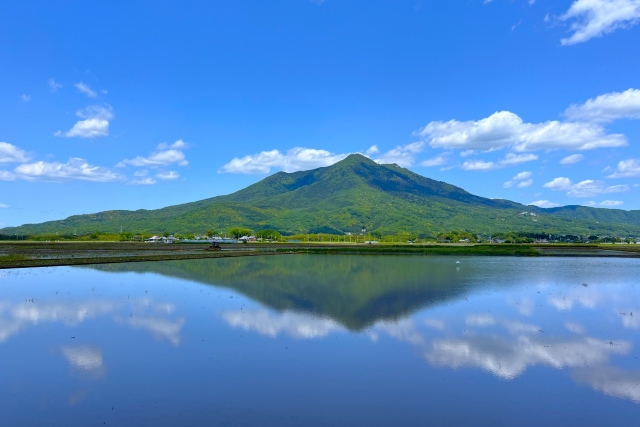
(129, 105)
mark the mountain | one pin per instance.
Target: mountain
(353, 193)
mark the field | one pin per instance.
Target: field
(36, 254)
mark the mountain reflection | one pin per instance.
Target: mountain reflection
(501, 316)
(354, 291)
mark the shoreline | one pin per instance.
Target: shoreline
(48, 254)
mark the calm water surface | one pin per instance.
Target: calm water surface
(312, 340)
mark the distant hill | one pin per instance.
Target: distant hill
(353, 193)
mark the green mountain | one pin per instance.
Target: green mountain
(353, 193)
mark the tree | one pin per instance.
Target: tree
(238, 232)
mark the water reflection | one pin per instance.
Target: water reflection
(15, 317)
(415, 320)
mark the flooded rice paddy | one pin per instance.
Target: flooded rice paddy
(322, 340)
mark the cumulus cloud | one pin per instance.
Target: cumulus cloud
(586, 188)
(372, 150)
(402, 155)
(574, 158)
(165, 154)
(544, 204)
(3, 206)
(168, 176)
(521, 180)
(11, 154)
(84, 88)
(595, 18)
(75, 169)
(296, 159)
(95, 123)
(608, 107)
(626, 169)
(507, 130)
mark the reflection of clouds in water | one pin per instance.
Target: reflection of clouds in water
(291, 323)
(611, 381)
(510, 358)
(84, 358)
(15, 317)
(403, 330)
(480, 320)
(513, 327)
(575, 327)
(434, 324)
(159, 327)
(525, 306)
(630, 319)
(585, 296)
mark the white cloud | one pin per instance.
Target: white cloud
(167, 176)
(11, 154)
(53, 85)
(74, 169)
(25, 98)
(402, 155)
(165, 154)
(506, 130)
(434, 161)
(84, 88)
(516, 159)
(595, 18)
(545, 204)
(626, 169)
(3, 206)
(294, 160)
(607, 108)
(574, 158)
(586, 188)
(372, 150)
(479, 165)
(160, 328)
(96, 123)
(7, 176)
(610, 203)
(143, 181)
(558, 184)
(522, 180)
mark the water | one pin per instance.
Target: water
(312, 340)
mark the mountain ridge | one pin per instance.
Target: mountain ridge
(345, 197)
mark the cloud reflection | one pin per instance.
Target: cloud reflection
(84, 358)
(290, 323)
(510, 358)
(611, 381)
(15, 317)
